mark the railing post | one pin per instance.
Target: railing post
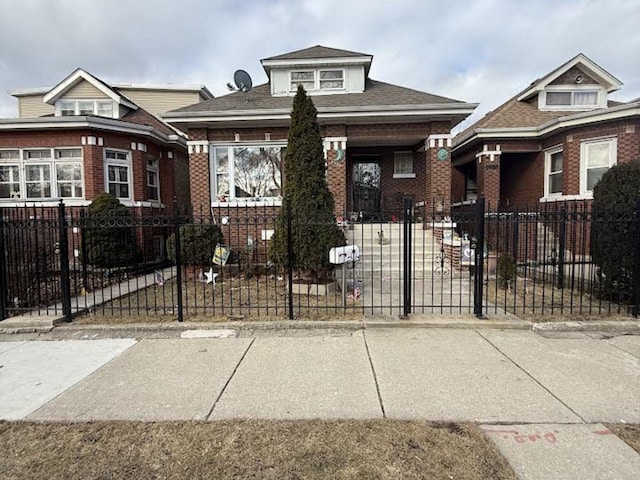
(406, 274)
(479, 259)
(289, 257)
(562, 241)
(636, 268)
(4, 281)
(63, 246)
(83, 250)
(178, 256)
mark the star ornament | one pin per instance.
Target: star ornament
(210, 276)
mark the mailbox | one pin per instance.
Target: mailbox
(340, 255)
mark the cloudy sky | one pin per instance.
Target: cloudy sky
(479, 51)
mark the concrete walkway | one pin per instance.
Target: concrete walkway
(537, 398)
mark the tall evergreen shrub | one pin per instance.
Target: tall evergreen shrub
(313, 224)
(615, 231)
(110, 234)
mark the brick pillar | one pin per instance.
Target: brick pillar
(200, 173)
(489, 175)
(438, 179)
(93, 156)
(139, 167)
(335, 149)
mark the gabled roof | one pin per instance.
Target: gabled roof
(318, 55)
(80, 75)
(598, 73)
(317, 51)
(519, 115)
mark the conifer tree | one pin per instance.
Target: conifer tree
(314, 228)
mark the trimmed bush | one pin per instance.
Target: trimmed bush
(314, 227)
(615, 233)
(197, 243)
(506, 270)
(110, 234)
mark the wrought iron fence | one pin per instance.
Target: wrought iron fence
(217, 263)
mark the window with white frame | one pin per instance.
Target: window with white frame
(403, 165)
(554, 165)
(596, 157)
(118, 173)
(571, 99)
(331, 79)
(102, 108)
(41, 174)
(306, 78)
(153, 180)
(247, 173)
(321, 79)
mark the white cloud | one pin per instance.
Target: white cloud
(478, 51)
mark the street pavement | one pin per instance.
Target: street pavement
(541, 400)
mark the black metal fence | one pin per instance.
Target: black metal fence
(469, 259)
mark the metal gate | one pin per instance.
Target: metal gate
(421, 264)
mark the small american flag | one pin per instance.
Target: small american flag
(356, 293)
(159, 277)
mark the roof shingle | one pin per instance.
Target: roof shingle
(375, 94)
(317, 51)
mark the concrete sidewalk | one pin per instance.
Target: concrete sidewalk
(507, 380)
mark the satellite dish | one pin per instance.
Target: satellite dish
(242, 81)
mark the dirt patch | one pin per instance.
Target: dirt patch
(231, 297)
(248, 449)
(628, 433)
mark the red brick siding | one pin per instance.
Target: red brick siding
(93, 164)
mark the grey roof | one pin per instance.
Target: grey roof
(376, 94)
(317, 51)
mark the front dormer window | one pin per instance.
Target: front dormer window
(576, 98)
(314, 80)
(306, 78)
(102, 108)
(572, 98)
(331, 79)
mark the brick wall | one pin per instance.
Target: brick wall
(93, 156)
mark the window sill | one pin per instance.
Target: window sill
(248, 203)
(566, 198)
(145, 204)
(404, 175)
(464, 202)
(43, 203)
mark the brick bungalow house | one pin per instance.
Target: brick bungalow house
(551, 142)
(84, 136)
(382, 141)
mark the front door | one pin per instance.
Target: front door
(366, 190)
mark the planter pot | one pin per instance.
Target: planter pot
(318, 289)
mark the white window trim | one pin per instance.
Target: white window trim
(316, 79)
(119, 163)
(155, 169)
(548, 154)
(413, 165)
(600, 103)
(76, 101)
(232, 201)
(51, 162)
(613, 158)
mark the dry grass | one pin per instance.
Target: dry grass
(248, 449)
(628, 433)
(232, 297)
(538, 302)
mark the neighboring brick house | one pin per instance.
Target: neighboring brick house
(84, 136)
(382, 141)
(551, 142)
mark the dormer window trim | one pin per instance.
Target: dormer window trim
(319, 83)
(65, 106)
(574, 91)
